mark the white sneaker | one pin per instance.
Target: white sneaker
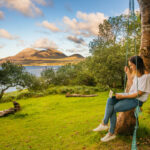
(101, 127)
(108, 137)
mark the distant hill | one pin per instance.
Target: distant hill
(76, 55)
(33, 57)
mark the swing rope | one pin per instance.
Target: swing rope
(137, 110)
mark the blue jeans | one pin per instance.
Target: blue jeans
(113, 106)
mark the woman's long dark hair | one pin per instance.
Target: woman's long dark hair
(138, 61)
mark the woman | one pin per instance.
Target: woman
(122, 102)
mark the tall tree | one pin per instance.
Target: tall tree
(145, 38)
(126, 120)
(109, 49)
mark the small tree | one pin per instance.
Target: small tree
(10, 76)
(33, 83)
(49, 76)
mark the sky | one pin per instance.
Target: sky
(65, 25)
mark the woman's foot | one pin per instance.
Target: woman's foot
(101, 127)
(108, 137)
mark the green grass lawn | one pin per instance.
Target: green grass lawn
(55, 122)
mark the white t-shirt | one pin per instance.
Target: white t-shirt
(143, 85)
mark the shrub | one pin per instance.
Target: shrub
(33, 83)
(74, 89)
(29, 94)
(8, 99)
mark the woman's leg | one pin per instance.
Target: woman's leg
(113, 119)
(108, 112)
(109, 109)
(121, 106)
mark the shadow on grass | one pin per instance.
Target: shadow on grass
(143, 132)
(18, 116)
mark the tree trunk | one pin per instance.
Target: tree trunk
(145, 26)
(125, 123)
(126, 120)
(1, 94)
(3, 90)
(80, 95)
(11, 110)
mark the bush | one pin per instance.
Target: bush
(24, 95)
(8, 99)
(29, 94)
(33, 83)
(86, 79)
(49, 76)
(74, 89)
(52, 90)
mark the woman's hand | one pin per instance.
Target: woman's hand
(127, 70)
(119, 96)
(128, 73)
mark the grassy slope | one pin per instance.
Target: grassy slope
(59, 123)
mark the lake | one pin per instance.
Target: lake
(36, 70)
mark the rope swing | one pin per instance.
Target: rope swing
(137, 110)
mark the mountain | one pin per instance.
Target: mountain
(49, 53)
(76, 56)
(28, 52)
(33, 57)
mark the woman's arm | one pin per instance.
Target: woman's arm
(134, 95)
(129, 78)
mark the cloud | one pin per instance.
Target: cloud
(1, 46)
(21, 43)
(50, 3)
(5, 34)
(84, 51)
(76, 40)
(1, 15)
(126, 11)
(84, 24)
(45, 43)
(26, 7)
(74, 50)
(43, 32)
(71, 50)
(41, 2)
(68, 7)
(50, 26)
(44, 2)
